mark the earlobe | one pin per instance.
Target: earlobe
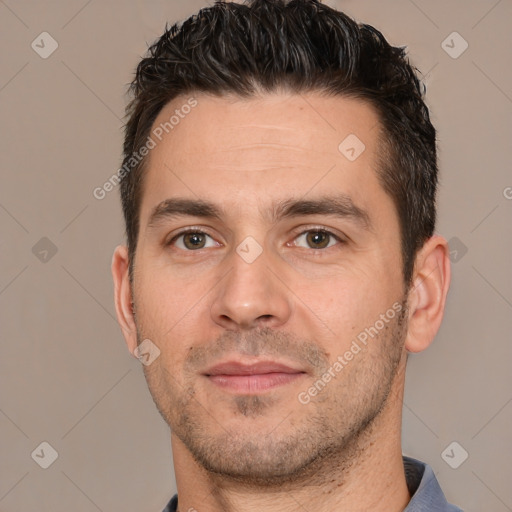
(427, 296)
(123, 296)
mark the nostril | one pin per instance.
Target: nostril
(265, 317)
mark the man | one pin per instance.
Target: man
(278, 188)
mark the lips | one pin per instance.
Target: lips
(252, 378)
(258, 368)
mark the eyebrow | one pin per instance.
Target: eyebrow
(178, 207)
(340, 205)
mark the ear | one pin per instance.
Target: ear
(123, 297)
(427, 296)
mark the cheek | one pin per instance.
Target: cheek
(173, 309)
(342, 306)
(164, 298)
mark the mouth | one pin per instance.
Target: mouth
(252, 378)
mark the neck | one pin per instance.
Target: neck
(367, 475)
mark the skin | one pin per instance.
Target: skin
(300, 302)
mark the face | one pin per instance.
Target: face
(268, 273)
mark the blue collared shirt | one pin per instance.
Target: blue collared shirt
(426, 494)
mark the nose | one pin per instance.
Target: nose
(251, 295)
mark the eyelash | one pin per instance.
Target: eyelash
(317, 229)
(187, 231)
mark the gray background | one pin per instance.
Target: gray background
(66, 376)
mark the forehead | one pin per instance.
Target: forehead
(218, 125)
(244, 150)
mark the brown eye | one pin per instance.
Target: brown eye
(194, 240)
(316, 239)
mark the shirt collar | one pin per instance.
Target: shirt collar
(426, 494)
